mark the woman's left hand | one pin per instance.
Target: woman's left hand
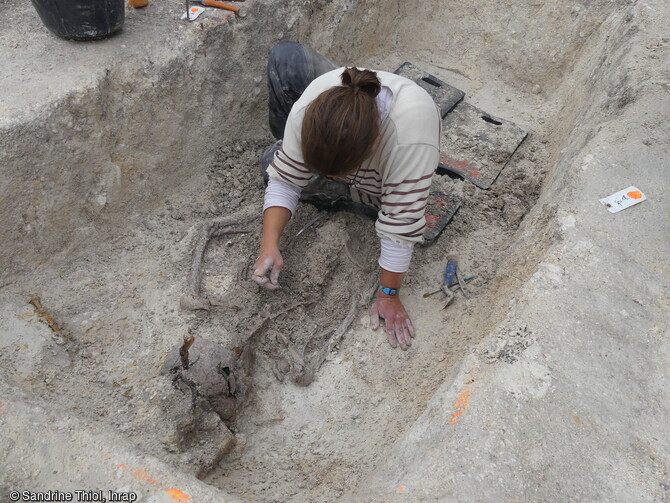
(399, 328)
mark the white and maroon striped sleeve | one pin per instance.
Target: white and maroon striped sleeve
(405, 192)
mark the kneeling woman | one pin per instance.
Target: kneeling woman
(369, 137)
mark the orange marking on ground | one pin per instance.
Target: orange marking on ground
(464, 393)
(173, 492)
(177, 495)
(461, 402)
(143, 476)
(635, 194)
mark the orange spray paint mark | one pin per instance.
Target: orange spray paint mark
(177, 495)
(461, 403)
(143, 476)
(635, 194)
(173, 492)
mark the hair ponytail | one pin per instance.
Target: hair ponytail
(341, 125)
(365, 80)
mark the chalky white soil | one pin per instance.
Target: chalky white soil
(115, 153)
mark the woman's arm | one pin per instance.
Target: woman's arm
(269, 263)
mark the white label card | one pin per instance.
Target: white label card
(623, 199)
(193, 13)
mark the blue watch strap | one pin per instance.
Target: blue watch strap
(388, 291)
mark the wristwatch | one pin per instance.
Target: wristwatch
(388, 291)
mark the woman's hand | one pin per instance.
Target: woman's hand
(267, 267)
(399, 328)
(269, 263)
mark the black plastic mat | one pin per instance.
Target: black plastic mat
(445, 96)
(440, 209)
(476, 145)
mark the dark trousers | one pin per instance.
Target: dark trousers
(291, 68)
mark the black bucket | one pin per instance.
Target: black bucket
(81, 19)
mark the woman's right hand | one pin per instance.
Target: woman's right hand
(269, 263)
(267, 267)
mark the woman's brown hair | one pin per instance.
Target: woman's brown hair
(341, 125)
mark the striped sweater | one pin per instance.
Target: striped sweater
(397, 177)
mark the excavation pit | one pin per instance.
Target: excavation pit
(118, 154)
